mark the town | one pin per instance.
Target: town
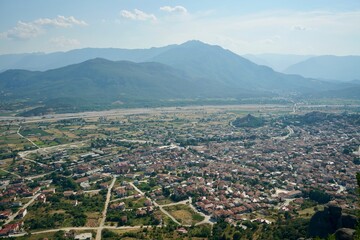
(174, 172)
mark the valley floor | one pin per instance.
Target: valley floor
(177, 172)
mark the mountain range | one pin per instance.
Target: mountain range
(327, 67)
(278, 62)
(335, 68)
(192, 70)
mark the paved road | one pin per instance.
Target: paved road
(166, 212)
(175, 203)
(161, 207)
(104, 213)
(89, 228)
(24, 154)
(93, 191)
(291, 132)
(11, 173)
(155, 204)
(123, 198)
(12, 217)
(102, 222)
(38, 176)
(188, 202)
(206, 217)
(18, 133)
(136, 188)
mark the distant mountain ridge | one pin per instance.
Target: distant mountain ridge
(346, 68)
(278, 62)
(185, 72)
(43, 62)
(318, 67)
(97, 78)
(225, 68)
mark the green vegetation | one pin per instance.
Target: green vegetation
(147, 186)
(187, 74)
(133, 218)
(165, 232)
(319, 196)
(133, 203)
(33, 131)
(184, 214)
(248, 121)
(62, 212)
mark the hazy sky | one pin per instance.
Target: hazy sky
(243, 26)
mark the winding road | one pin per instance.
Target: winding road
(291, 132)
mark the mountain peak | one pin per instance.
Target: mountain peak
(98, 60)
(194, 43)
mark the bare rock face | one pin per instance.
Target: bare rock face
(331, 220)
(349, 221)
(345, 234)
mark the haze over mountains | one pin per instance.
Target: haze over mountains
(333, 68)
(192, 70)
(346, 68)
(278, 62)
(42, 61)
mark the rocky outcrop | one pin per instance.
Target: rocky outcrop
(345, 234)
(331, 220)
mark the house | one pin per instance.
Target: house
(85, 185)
(5, 214)
(11, 228)
(182, 230)
(140, 212)
(16, 204)
(83, 236)
(137, 196)
(104, 185)
(124, 219)
(147, 202)
(293, 194)
(42, 198)
(119, 206)
(81, 180)
(48, 191)
(69, 193)
(120, 192)
(22, 213)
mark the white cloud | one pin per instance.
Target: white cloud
(270, 40)
(64, 42)
(137, 15)
(60, 21)
(28, 30)
(23, 30)
(268, 32)
(176, 9)
(299, 28)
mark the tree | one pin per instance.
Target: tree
(319, 196)
(166, 191)
(237, 236)
(59, 235)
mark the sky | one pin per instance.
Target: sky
(306, 27)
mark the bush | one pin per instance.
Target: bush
(319, 196)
